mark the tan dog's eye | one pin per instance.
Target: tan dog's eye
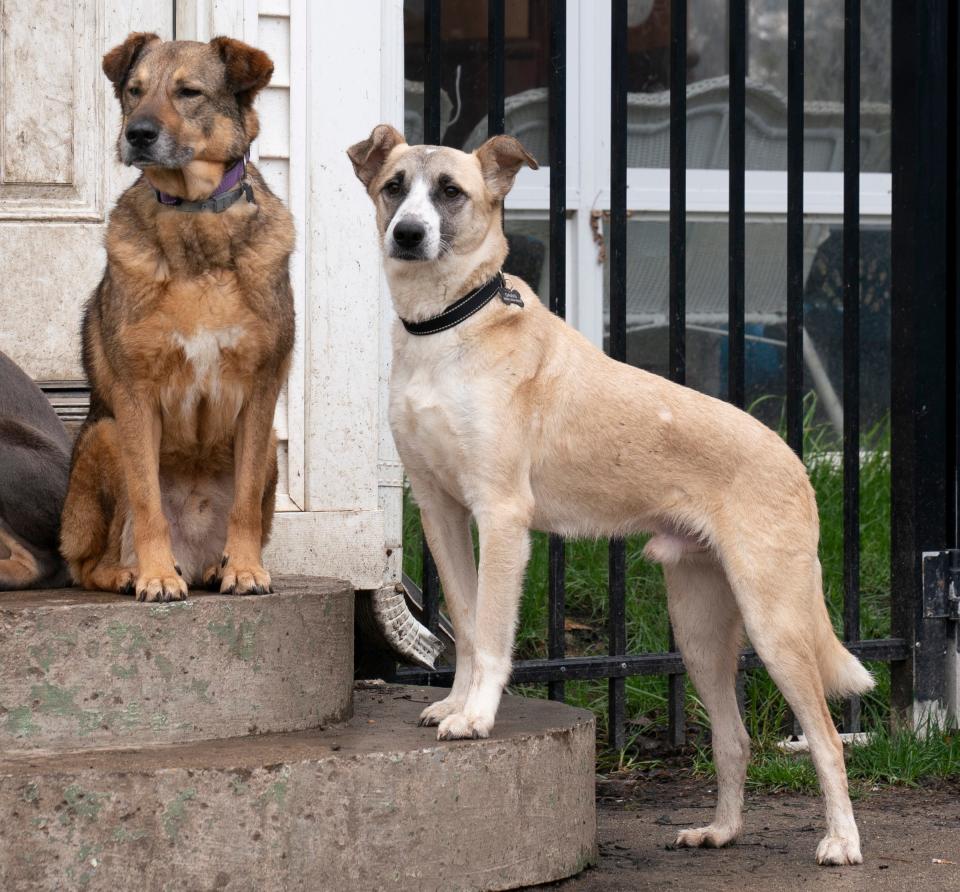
(392, 188)
(188, 93)
(451, 191)
(135, 91)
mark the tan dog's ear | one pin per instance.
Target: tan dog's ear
(118, 63)
(369, 155)
(248, 70)
(501, 157)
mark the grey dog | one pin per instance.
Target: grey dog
(34, 466)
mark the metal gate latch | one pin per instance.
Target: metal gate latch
(941, 584)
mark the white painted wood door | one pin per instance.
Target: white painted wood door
(337, 75)
(58, 169)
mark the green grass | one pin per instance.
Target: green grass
(887, 758)
(647, 623)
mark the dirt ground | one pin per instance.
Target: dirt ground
(902, 832)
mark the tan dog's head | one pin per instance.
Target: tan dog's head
(185, 102)
(435, 201)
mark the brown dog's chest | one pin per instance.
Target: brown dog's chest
(198, 350)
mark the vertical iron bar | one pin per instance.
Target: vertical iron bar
(919, 249)
(676, 685)
(794, 350)
(496, 66)
(795, 225)
(678, 190)
(431, 133)
(851, 340)
(736, 373)
(618, 336)
(953, 304)
(558, 302)
(432, 56)
(430, 586)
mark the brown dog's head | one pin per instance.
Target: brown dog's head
(185, 102)
(435, 201)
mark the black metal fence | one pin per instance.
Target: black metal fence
(926, 283)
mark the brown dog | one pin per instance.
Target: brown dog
(187, 339)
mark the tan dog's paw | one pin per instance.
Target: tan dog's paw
(710, 837)
(437, 712)
(244, 578)
(836, 850)
(459, 726)
(161, 586)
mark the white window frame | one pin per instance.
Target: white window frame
(648, 189)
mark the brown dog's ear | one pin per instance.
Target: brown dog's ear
(368, 156)
(248, 70)
(118, 63)
(501, 157)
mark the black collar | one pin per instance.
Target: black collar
(465, 307)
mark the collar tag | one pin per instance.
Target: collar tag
(509, 296)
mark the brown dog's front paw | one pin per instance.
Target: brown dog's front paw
(161, 587)
(126, 582)
(211, 578)
(244, 578)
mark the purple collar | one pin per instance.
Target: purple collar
(223, 196)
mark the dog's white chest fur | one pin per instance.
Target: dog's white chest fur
(203, 350)
(204, 353)
(432, 412)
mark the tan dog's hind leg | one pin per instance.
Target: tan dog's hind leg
(709, 631)
(504, 551)
(447, 527)
(778, 600)
(243, 572)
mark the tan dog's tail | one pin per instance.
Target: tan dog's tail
(842, 673)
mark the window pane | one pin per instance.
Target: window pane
(529, 258)
(766, 113)
(463, 116)
(766, 307)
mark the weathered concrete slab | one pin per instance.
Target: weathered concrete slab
(83, 669)
(377, 803)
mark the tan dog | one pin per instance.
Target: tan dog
(187, 339)
(515, 419)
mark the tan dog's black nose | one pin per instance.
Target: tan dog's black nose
(142, 133)
(408, 233)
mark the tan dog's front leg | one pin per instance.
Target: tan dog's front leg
(504, 552)
(446, 524)
(139, 426)
(243, 574)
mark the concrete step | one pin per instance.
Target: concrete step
(82, 669)
(376, 803)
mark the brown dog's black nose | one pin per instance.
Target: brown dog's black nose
(408, 233)
(142, 133)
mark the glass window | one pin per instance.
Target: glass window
(766, 308)
(463, 76)
(766, 113)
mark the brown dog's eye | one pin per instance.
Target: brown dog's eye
(135, 91)
(451, 191)
(188, 93)
(392, 188)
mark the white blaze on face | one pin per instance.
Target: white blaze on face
(418, 206)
